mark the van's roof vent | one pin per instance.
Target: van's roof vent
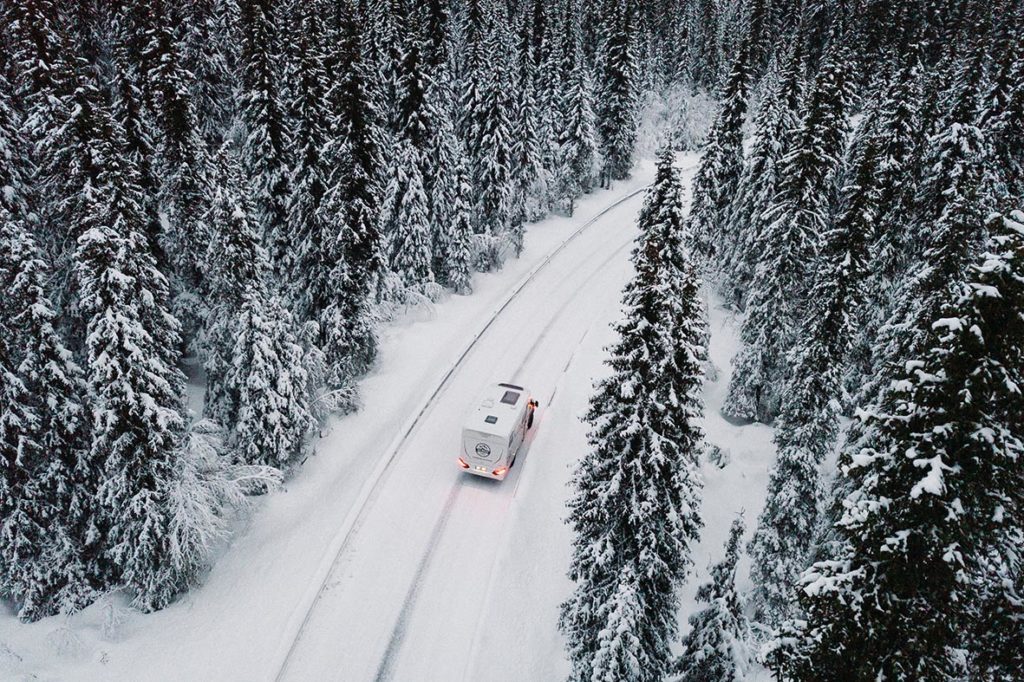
(491, 419)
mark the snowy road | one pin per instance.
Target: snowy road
(405, 597)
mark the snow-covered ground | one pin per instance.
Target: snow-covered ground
(381, 560)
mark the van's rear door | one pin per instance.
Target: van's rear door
(482, 451)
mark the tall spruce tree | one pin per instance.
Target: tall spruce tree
(266, 146)
(796, 218)
(715, 649)
(721, 164)
(578, 156)
(268, 382)
(618, 99)
(135, 390)
(935, 495)
(774, 124)
(315, 254)
(351, 209)
(635, 510)
(43, 431)
(406, 214)
(808, 424)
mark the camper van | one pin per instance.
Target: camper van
(495, 430)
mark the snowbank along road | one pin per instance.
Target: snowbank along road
(405, 586)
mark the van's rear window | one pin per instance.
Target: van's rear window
(490, 419)
(510, 397)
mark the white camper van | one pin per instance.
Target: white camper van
(495, 430)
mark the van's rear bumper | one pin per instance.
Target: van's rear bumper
(485, 471)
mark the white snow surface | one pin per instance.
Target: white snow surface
(440, 576)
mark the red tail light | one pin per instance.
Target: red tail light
(500, 471)
(462, 463)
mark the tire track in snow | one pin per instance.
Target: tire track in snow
(384, 670)
(369, 491)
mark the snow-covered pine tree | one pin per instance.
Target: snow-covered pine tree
(351, 208)
(721, 165)
(808, 423)
(58, 122)
(774, 124)
(635, 510)
(444, 154)
(266, 145)
(1002, 110)
(702, 48)
(237, 258)
(406, 214)
(795, 220)
(618, 99)
(458, 254)
(549, 76)
(211, 56)
(270, 413)
(140, 50)
(495, 153)
(314, 255)
(934, 497)
(46, 501)
(135, 390)
(577, 140)
(257, 376)
(715, 648)
(16, 166)
(951, 201)
(897, 131)
(531, 136)
(182, 162)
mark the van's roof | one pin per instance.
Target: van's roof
(497, 409)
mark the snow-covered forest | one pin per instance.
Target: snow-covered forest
(209, 209)
(859, 200)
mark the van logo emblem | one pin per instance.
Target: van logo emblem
(483, 449)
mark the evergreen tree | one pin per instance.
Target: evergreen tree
(237, 259)
(15, 163)
(715, 648)
(950, 205)
(702, 49)
(210, 54)
(268, 381)
(45, 502)
(494, 153)
(577, 142)
(315, 255)
(933, 497)
(405, 211)
(266, 140)
(351, 210)
(619, 96)
(635, 507)
(721, 164)
(774, 124)
(135, 390)
(458, 262)
(809, 421)
(1002, 111)
(531, 177)
(797, 217)
(182, 163)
